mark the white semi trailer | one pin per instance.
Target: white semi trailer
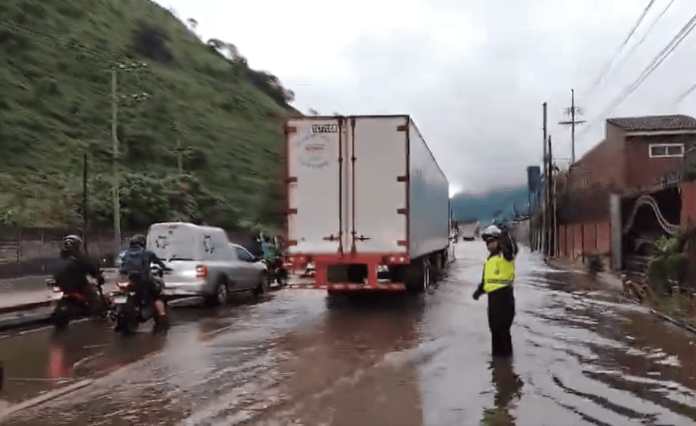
(367, 203)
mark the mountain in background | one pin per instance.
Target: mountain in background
(200, 132)
(487, 206)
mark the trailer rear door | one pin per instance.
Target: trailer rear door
(379, 173)
(313, 185)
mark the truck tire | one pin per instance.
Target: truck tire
(418, 276)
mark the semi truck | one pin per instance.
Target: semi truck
(367, 204)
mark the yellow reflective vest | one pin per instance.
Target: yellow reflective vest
(498, 273)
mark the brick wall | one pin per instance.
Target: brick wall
(688, 221)
(584, 239)
(688, 204)
(643, 171)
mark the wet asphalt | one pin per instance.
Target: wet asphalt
(583, 355)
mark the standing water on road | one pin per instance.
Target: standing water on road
(582, 355)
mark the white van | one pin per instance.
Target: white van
(204, 262)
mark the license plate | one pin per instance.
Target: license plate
(120, 299)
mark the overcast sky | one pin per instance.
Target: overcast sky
(472, 73)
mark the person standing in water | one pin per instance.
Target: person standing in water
(497, 283)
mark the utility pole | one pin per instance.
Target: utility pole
(133, 66)
(114, 138)
(85, 208)
(551, 250)
(573, 110)
(544, 223)
(179, 156)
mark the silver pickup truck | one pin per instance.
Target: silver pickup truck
(204, 263)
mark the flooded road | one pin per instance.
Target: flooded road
(582, 356)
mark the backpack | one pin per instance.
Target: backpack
(134, 262)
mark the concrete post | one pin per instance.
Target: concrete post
(616, 232)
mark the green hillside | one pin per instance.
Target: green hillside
(55, 73)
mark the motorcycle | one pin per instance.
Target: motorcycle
(128, 307)
(73, 305)
(276, 271)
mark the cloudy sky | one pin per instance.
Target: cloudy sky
(472, 73)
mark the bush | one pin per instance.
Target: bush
(669, 265)
(195, 159)
(151, 42)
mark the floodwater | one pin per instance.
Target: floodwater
(583, 355)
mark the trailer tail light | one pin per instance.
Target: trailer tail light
(201, 271)
(299, 260)
(396, 260)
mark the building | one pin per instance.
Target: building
(640, 161)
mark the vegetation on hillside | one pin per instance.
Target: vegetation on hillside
(180, 100)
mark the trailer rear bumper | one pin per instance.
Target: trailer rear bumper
(352, 287)
(369, 282)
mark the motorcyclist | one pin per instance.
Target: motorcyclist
(270, 253)
(273, 258)
(136, 264)
(75, 268)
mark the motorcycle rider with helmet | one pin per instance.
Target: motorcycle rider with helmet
(136, 264)
(75, 267)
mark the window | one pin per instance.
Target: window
(665, 150)
(244, 255)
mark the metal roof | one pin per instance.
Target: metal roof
(654, 123)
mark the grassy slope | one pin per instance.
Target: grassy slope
(55, 106)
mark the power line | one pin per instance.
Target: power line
(656, 62)
(650, 68)
(607, 67)
(685, 95)
(648, 31)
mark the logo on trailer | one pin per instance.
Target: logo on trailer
(314, 151)
(324, 128)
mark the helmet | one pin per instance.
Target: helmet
(71, 244)
(138, 240)
(491, 233)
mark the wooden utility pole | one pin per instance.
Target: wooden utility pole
(114, 139)
(573, 110)
(85, 206)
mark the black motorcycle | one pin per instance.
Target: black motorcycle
(74, 304)
(129, 309)
(276, 271)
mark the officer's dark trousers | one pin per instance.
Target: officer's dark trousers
(501, 311)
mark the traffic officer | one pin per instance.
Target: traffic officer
(498, 277)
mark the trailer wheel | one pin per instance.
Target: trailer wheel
(418, 276)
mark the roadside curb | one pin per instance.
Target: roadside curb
(43, 398)
(678, 323)
(22, 319)
(25, 307)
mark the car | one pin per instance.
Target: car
(203, 262)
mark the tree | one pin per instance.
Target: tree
(192, 24)
(313, 111)
(228, 50)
